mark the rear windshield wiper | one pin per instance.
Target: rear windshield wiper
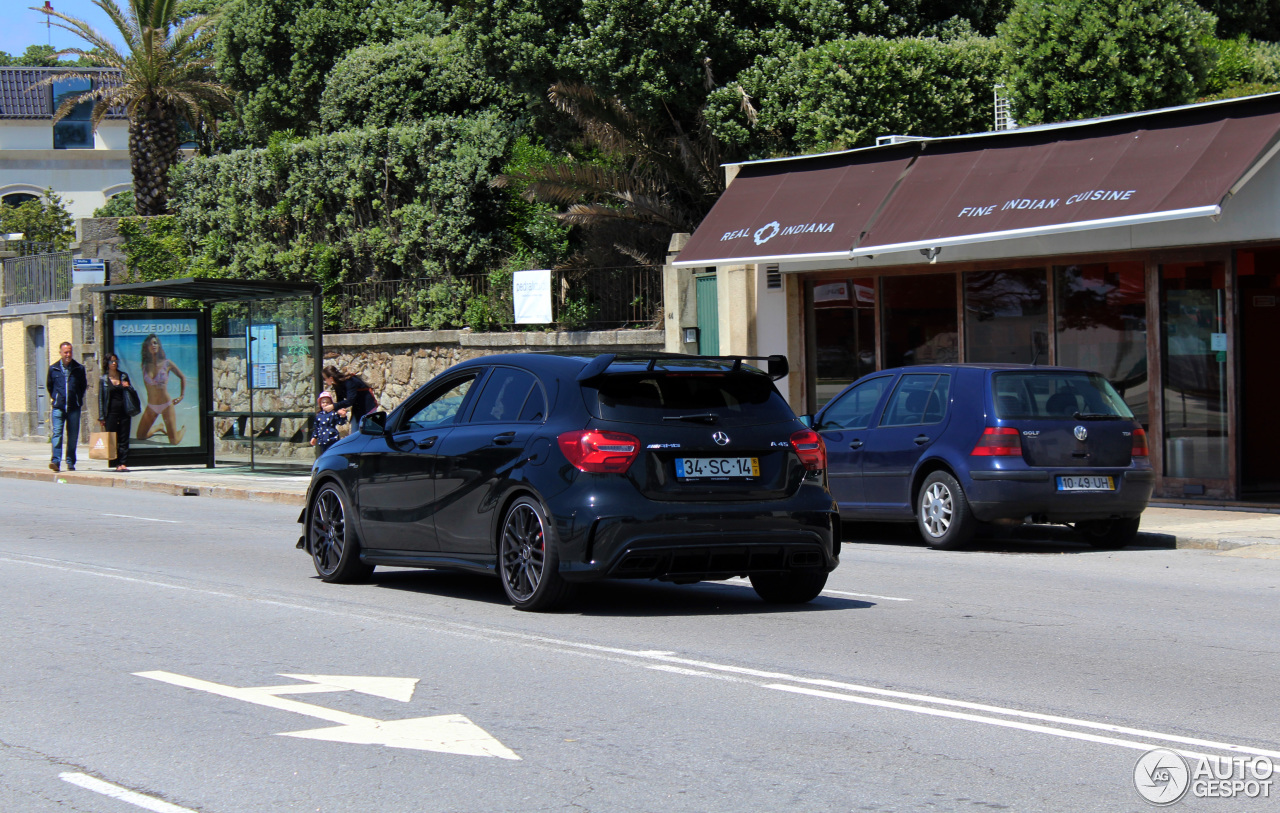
(1096, 416)
(705, 417)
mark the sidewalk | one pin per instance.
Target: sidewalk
(1253, 534)
(29, 460)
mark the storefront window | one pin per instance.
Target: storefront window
(1102, 325)
(919, 319)
(1193, 327)
(845, 334)
(1006, 317)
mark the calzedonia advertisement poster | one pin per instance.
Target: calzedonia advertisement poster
(162, 352)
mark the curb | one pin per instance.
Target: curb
(112, 480)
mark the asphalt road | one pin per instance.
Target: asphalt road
(148, 648)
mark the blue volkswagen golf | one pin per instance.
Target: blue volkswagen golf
(955, 445)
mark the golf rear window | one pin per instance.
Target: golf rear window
(734, 398)
(1051, 394)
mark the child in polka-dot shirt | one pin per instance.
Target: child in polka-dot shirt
(325, 432)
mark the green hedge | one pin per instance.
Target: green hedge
(409, 201)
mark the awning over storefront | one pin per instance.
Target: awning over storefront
(1124, 170)
(801, 208)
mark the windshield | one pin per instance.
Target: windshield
(1055, 394)
(725, 399)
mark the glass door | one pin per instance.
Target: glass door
(1193, 325)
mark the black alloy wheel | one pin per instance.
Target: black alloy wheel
(530, 566)
(334, 549)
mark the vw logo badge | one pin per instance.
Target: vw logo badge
(721, 438)
(1082, 433)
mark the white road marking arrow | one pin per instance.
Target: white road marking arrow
(391, 688)
(448, 733)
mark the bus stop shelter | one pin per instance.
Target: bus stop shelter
(252, 351)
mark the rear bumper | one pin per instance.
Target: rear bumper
(687, 542)
(1018, 493)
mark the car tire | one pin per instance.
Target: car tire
(1109, 534)
(943, 514)
(335, 550)
(788, 588)
(528, 561)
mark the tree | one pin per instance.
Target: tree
(1071, 59)
(118, 205)
(276, 53)
(166, 78)
(844, 93)
(44, 220)
(1259, 19)
(651, 181)
(407, 80)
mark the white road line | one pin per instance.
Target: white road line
(123, 794)
(145, 519)
(864, 595)
(696, 668)
(833, 592)
(975, 718)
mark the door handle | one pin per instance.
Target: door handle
(855, 444)
(428, 443)
(504, 438)
(922, 439)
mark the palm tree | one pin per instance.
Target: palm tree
(166, 78)
(654, 181)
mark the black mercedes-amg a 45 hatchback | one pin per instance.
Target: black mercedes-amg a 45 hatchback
(551, 470)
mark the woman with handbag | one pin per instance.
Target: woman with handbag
(118, 402)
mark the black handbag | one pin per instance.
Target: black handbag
(132, 403)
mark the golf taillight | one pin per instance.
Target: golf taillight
(810, 448)
(1140, 448)
(599, 452)
(998, 441)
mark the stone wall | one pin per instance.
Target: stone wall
(394, 365)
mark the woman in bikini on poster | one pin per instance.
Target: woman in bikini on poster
(156, 369)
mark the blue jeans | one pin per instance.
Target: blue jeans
(70, 419)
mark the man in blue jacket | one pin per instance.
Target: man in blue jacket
(66, 385)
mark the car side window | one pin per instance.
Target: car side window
(855, 409)
(535, 406)
(440, 406)
(919, 398)
(503, 396)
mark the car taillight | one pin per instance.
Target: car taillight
(1140, 448)
(810, 448)
(998, 441)
(599, 452)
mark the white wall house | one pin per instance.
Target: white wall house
(85, 167)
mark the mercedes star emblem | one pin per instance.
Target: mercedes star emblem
(721, 438)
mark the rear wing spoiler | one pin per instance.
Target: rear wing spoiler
(776, 366)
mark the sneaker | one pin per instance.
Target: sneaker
(71, 467)
(54, 467)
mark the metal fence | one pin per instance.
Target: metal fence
(35, 279)
(24, 248)
(581, 299)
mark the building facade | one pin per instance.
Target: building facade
(1146, 247)
(83, 165)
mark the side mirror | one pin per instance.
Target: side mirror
(807, 420)
(375, 424)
